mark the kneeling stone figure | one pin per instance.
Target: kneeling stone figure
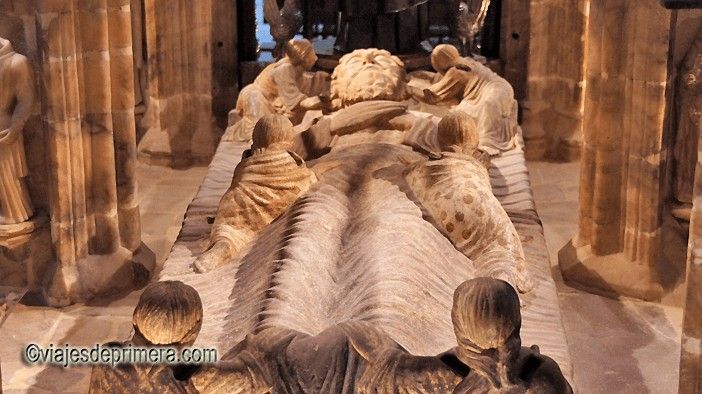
(267, 181)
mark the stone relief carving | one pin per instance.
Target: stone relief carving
(367, 89)
(366, 202)
(368, 74)
(284, 87)
(480, 92)
(168, 313)
(16, 100)
(267, 181)
(352, 355)
(455, 188)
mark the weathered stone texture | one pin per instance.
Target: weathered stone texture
(624, 165)
(554, 88)
(82, 54)
(180, 51)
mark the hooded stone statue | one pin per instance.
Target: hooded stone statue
(16, 100)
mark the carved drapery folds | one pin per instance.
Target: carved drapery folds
(624, 152)
(16, 101)
(88, 110)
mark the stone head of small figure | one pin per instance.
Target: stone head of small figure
(486, 320)
(443, 57)
(301, 52)
(457, 132)
(272, 132)
(169, 313)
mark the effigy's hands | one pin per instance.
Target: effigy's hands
(311, 103)
(430, 97)
(214, 257)
(365, 114)
(463, 67)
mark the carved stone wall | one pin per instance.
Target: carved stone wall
(82, 52)
(191, 62)
(553, 107)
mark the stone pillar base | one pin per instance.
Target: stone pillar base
(25, 253)
(96, 275)
(611, 276)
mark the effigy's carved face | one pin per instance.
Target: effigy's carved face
(368, 74)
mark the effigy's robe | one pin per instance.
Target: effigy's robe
(456, 192)
(345, 358)
(278, 89)
(135, 378)
(264, 185)
(488, 98)
(16, 97)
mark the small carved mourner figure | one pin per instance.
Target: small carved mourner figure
(358, 357)
(169, 313)
(484, 95)
(281, 89)
(266, 182)
(16, 99)
(454, 187)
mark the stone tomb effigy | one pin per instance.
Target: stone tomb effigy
(360, 244)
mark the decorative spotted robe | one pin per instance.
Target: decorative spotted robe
(456, 192)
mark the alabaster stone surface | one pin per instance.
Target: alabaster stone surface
(81, 147)
(368, 74)
(16, 103)
(481, 93)
(356, 356)
(454, 187)
(348, 263)
(267, 181)
(351, 355)
(284, 87)
(168, 313)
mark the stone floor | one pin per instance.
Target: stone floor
(617, 346)
(622, 346)
(165, 194)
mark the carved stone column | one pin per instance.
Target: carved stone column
(179, 46)
(622, 192)
(88, 110)
(552, 117)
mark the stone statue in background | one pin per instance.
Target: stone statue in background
(16, 100)
(266, 182)
(282, 88)
(482, 94)
(358, 357)
(689, 108)
(454, 187)
(168, 313)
